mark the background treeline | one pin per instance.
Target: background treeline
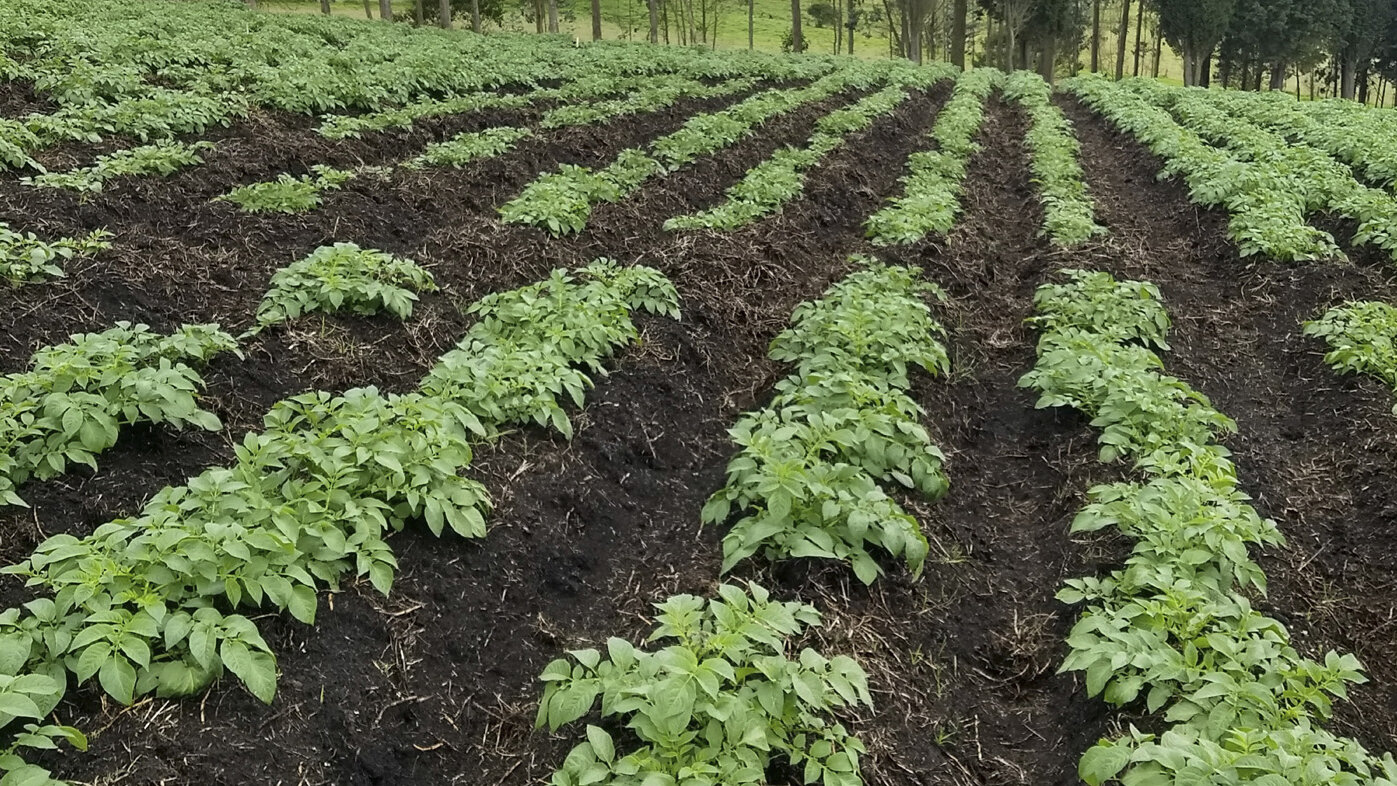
(1342, 48)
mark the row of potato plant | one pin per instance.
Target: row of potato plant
(468, 147)
(562, 201)
(1266, 200)
(931, 198)
(213, 63)
(1362, 339)
(1343, 129)
(149, 604)
(1054, 153)
(343, 277)
(1174, 631)
(726, 695)
(75, 398)
(1325, 185)
(716, 705)
(26, 259)
(781, 178)
(651, 95)
(807, 480)
(288, 193)
(161, 159)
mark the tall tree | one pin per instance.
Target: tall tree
(1139, 35)
(1122, 38)
(368, 10)
(797, 40)
(1014, 14)
(443, 14)
(751, 24)
(475, 15)
(596, 20)
(385, 10)
(1095, 36)
(959, 13)
(1194, 28)
(1358, 41)
(552, 16)
(325, 7)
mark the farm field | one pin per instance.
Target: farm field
(372, 395)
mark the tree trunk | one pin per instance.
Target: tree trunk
(1139, 34)
(1363, 86)
(751, 24)
(596, 19)
(654, 20)
(853, 25)
(252, 5)
(1013, 46)
(1205, 70)
(416, 11)
(914, 39)
(1158, 48)
(325, 7)
(797, 40)
(552, 16)
(838, 26)
(443, 13)
(959, 13)
(1047, 58)
(1095, 36)
(1348, 75)
(1277, 76)
(385, 10)
(1124, 36)
(368, 10)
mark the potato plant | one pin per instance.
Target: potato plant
(781, 178)
(806, 480)
(1267, 199)
(162, 159)
(1174, 630)
(722, 700)
(1321, 182)
(1068, 212)
(151, 604)
(76, 397)
(343, 277)
(288, 194)
(650, 95)
(468, 147)
(528, 353)
(932, 185)
(1362, 339)
(562, 202)
(25, 259)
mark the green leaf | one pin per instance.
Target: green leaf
(1103, 762)
(257, 670)
(118, 678)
